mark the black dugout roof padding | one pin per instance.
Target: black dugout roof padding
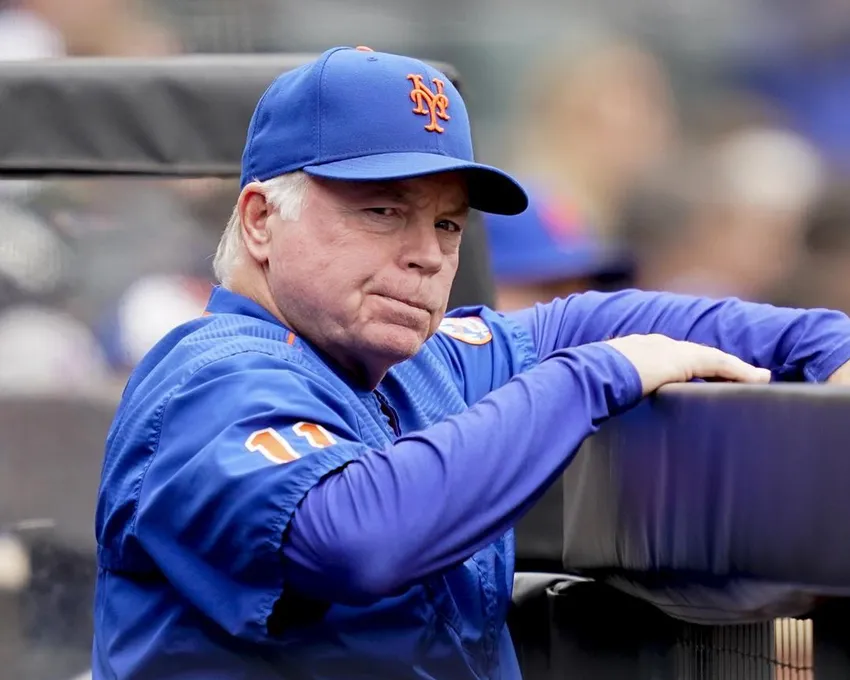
(717, 502)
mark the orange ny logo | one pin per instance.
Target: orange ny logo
(429, 103)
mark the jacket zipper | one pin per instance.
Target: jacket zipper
(389, 412)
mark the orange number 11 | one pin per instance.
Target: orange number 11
(274, 447)
(316, 436)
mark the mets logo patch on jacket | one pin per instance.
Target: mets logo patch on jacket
(469, 329)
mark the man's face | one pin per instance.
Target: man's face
(365, 272)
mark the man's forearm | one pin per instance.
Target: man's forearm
(795, 344)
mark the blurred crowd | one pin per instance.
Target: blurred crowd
(732, 199)
(700, 149)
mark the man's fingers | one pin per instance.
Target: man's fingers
(727, 367)
(660, 360)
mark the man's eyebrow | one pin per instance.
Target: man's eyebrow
(387, 190)
(461, 211)
(397, 191)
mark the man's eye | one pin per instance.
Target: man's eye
(448, 225)
(384, 212)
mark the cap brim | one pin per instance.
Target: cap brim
(592, 263)
(490, 189)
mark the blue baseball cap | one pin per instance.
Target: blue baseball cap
(359, 115)
(549, 242)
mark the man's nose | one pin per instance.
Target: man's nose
(422, 247)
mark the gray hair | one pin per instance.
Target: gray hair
(286, 193)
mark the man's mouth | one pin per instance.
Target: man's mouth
(408, 302)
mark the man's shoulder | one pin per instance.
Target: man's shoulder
(214, 345)
(233, 338)
(223, 367)
(480, 349)
(474, 331)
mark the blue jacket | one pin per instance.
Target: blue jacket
(215, 561)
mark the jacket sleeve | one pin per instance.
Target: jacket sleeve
(241, 442)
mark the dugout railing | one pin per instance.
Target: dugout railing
(705, 498)
(708, 530)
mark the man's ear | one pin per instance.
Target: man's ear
(254, 214)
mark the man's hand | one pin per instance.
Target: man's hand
(841, 376)
(660, 360)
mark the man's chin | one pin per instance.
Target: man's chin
(396, 343)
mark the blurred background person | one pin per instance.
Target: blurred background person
(822, 276)
(594, 116)
(43, 349)
(805, 72)
(549, 252)
(31, 29)
(726, 218)
(26, 34)
(146, 312)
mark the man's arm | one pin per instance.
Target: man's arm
(435, 497)
(261, 485)
(794, 344)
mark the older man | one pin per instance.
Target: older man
(318, 478)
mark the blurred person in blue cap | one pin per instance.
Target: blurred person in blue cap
(548, 252)
(318, 477)
(592, 116)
